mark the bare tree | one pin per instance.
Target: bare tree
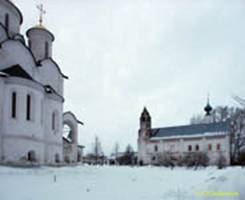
(116, 149)
(219, 114)
(239, 100)
(238, 133)
(223, 113)
(236, 117)
(221, 161)
(128, 158)
(97, 149)
(165, 159)
(237, 139)
(195, 159)
(129, 149)
(196, 119)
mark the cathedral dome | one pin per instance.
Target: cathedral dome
(40, 39)
(41, 29)
(9, 6)
(40, 42)
(11, 17)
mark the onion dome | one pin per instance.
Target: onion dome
(208, 108)
(40, 39)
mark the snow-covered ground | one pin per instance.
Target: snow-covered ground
(119, 183)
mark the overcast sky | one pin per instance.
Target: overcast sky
(121, 55)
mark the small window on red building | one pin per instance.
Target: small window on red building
(218, 147)
(189, 148)
(210, 147)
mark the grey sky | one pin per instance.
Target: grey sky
(123, 54)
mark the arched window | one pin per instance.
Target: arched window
(53, 121)
(28, 107)
(197, 147)
(189, 148)
(7, 21)
(13, 106)
(46, 50)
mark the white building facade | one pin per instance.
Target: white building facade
(31, 93)
(212, 139)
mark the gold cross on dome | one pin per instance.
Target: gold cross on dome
(42, 12)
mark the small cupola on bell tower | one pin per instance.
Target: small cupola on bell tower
(145, 120)
(208, 118)
(40, 39)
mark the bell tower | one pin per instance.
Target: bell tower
(145, 121)
(144, 136)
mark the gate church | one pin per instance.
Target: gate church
(31, 95)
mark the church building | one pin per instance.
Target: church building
(31, 94)
(210, 138)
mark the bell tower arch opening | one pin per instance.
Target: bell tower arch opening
(70, 137)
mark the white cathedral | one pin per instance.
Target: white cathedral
(32, 96)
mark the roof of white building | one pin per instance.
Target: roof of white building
(17, 71)
(191, 130)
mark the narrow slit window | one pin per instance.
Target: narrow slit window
(46, 50)
(156, 148)
(29, 43)
(28, 107)
(7, 22)
(14, 98)
(53, 121)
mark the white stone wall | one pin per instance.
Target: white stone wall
(179, 146)
(20, 125)
(144, 146)
(3, 35)
(214, 153)
(16, 149)
(20, 135)
(48, 74)
(52, 137)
